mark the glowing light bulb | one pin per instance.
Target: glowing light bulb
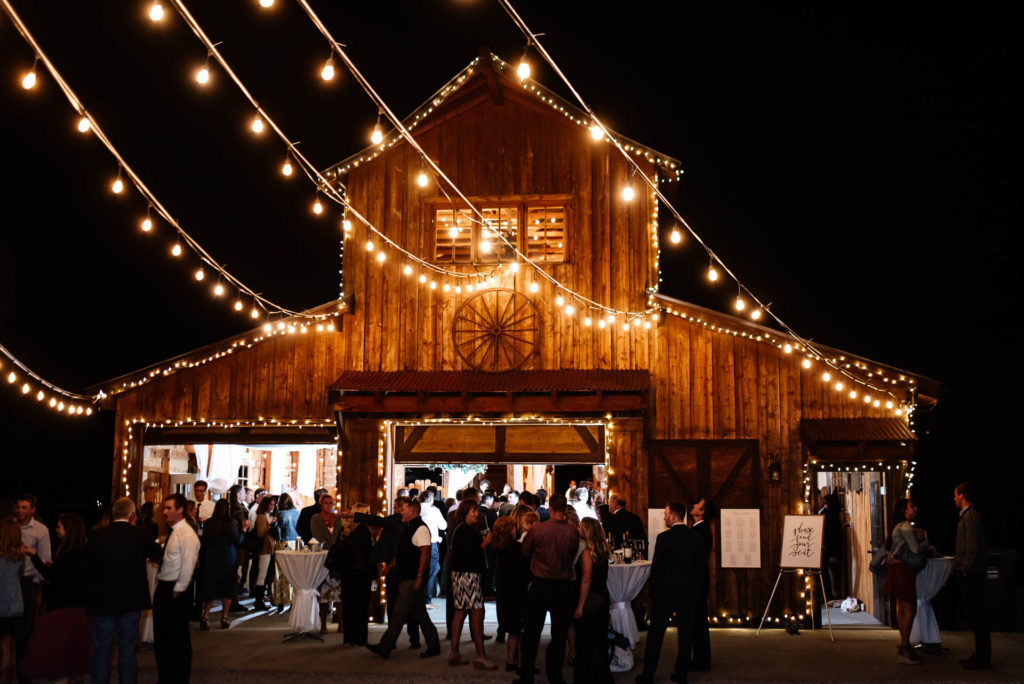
(625, 327)
(407, 270)
(318, 208)
(369, 245)
(826, 376)
(40, 395)
(423, 278)
(636, 322)
(788, 348)
(586, 321)
(453, 232)
(807, 363)
(176, 249)
(147, 225)
(200, 274)
(534, 286)
(485, 246)
(523, 70)
(266, 3)
(421, 180)
(610, 318)
(839, 387)
(11, 377)
(627, 193)
(381, 256)
(596, 133)
(60, 405)
(84, 125)
(117, 186)
(433, 285)
(203, 76)
(257, 125)
(156, 12)
(327, 73)
(559, 300)
(712, 274)
(268, 328)
(601, 323)
(755, 314)
(29, 81)
(867, 399)
(238, 305)
(218, 290)
(570, 310)
(853, 394)
(286, 168)
(740, 304)
(377, 136)
(888, 404)
(676, 237)
(446, 287)
(514, 267)
(25, 389)
(52, 402)
(346, 225)
(255, 313)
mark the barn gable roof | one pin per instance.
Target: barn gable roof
(504, 71)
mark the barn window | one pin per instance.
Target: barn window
(461, 237)
(545, 232)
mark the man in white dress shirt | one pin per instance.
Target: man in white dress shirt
(36, 536)
(171, 603)
(583, 510)
(435, 523)
(204, 502)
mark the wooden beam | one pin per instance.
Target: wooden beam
(489, 404)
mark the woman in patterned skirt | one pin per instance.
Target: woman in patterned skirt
(467, 568)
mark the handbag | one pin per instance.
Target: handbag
(914, 560)
(879, 564)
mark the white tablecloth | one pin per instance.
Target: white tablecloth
(146, 620)
(929, 581)
(624, 583)
(304, 570)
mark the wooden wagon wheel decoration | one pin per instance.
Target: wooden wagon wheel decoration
(496, 330)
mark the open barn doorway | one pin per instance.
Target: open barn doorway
(855, 505)
(517, 454)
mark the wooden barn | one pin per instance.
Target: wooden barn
(455, 353)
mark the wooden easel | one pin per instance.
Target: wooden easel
(821, 582)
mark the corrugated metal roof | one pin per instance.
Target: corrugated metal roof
(510, 381)
(824, 430)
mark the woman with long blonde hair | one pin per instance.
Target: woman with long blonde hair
(592, 606)
(12, 609)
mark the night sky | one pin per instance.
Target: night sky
(858, 167)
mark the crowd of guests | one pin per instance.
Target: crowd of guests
(538, 556)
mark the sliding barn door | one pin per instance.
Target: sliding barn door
(727, 473)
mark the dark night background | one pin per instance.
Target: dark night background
(859, 167)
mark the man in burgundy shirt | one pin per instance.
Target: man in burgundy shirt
(551, 547)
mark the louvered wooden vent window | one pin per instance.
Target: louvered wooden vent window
(460, 237)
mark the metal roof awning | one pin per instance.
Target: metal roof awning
(570, 391)
(858, 439)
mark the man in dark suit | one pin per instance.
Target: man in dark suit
(676, 587)
(117, 589)
(622, 522)
(384, 553)
(306, 517)
(701, 514)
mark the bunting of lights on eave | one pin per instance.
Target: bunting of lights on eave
(21, 379)
(245, 298)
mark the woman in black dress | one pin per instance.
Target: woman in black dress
(592, 606)
(61, 644)
(357, 573)
(511, 577)
(221, 536)
(467, 569)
